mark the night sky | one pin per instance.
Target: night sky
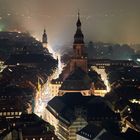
(102, 20)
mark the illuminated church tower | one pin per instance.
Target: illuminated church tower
(44, 39)
(79, 58)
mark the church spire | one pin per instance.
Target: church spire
(44, 37)
(78, 45)
(78, 37)
(78, 21)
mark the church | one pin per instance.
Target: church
(76, 76)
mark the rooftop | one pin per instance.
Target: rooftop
(70, 102)
(78, 80)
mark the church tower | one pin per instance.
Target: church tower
(79, 57)
(44, 39)
(78, 45)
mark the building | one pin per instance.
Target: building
(95, 132)
(123, 76)
(54, 86)
(28, 59)
(72, 111)
(4, 129)
(79, 58)
(66, 119)
(89, 132)
(29, 127)
(103, 63)
(15, 100)
(70, 79)
(77, 81)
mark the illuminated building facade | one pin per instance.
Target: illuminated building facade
(54, 86)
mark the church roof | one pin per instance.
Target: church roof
(78, 80)
(75, 85)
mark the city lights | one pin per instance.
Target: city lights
(44, 94)
(68, 73)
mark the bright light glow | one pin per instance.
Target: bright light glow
(10, 70)
(135, 101)
(60, 67)
(52, 51)
(2, 67)
(44, 94)
(103, 77)
(138, 59)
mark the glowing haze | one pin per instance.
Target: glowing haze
(102, 20)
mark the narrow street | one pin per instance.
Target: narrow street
(44, 95)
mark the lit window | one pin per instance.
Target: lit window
(16, 113)
(8, 113)
(4, 113)
(12, 113)
(41, 139)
